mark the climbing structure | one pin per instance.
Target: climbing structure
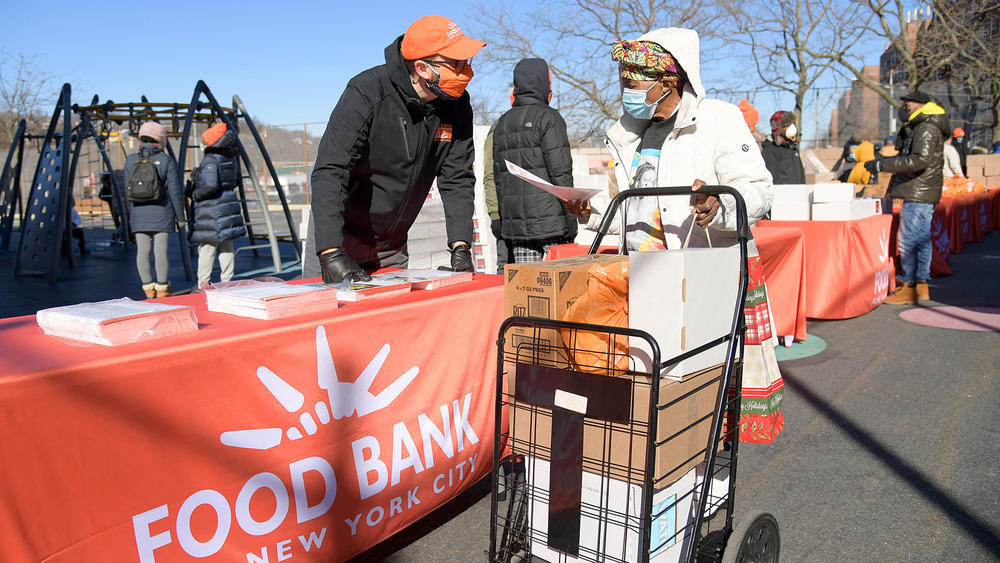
(45, 221)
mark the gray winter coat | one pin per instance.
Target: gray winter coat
(158, 216)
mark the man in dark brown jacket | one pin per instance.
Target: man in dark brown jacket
(917, 180)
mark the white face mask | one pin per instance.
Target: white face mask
(791, 132)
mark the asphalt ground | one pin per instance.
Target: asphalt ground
(890, 453)
(890, 450)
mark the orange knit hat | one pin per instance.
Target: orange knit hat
(750, 114)
(213, 134)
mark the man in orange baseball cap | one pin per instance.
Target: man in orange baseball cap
(397, 128)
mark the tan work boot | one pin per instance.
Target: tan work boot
(150, 289)
(923, 292)
(163, 289)
(906, 294)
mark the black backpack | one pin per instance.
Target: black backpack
(144, 182)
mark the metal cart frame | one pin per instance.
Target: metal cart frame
(535, 373)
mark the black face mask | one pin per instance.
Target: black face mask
(903, 114)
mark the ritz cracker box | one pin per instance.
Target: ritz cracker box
(545, 290)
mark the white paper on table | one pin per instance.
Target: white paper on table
(561, 192)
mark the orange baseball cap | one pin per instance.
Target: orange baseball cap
(437, 35)
(213, 133)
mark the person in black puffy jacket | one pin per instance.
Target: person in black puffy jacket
(218, 217)
(533, 136)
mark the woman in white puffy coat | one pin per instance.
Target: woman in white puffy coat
(672, 135)
(708, 143)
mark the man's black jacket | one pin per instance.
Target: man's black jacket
(382, 149)
(917, 171)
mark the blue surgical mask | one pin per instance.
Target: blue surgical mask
(634, 102)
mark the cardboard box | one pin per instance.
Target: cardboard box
(718, 490)
(976, 160)
(792, 202)
(850, 211)
(545, 290)
(883, 205)
(992, 165)
(975, 171)
(791, 210)
(612, 518)
(819, 178)
(794, 192)
(690, 402)
(832, 211)
(683, 298)
(883, 184)
(825, 193)
(827, 156)
(844, 210)
(877, 190)
(866, 207)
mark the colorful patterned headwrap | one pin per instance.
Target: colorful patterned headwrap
(642, 60)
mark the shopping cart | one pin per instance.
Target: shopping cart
(610, 462)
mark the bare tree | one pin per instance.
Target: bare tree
(914, 56)
(972, 28)
(24, 91)
(790, 41)
(574, 37)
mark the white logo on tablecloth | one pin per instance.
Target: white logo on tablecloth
(882, 276)
(883, 250)
(345, 398)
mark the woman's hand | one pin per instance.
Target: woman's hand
(580, 208)
(706, 207)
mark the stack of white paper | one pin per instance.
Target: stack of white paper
(425, 279)
(270, 299)
(359, 291)
(116, 321)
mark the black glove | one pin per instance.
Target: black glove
(497, 227)
(461, 259)
(337, 266)
(875, 165)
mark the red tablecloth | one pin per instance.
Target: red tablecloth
(956, 221)
(782, 251)
(969, 217)
(941, 237)
(782, 254)
(848, 265)
(993, 194)
(120, 454)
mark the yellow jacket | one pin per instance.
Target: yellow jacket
(863, 153)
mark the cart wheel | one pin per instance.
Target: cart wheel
(514, 537)
(759, 540)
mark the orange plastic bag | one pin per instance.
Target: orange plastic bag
(606, 304)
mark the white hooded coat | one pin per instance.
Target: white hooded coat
(710, 142)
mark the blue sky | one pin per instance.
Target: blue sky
(287, 61)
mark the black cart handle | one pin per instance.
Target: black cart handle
(742, 226)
